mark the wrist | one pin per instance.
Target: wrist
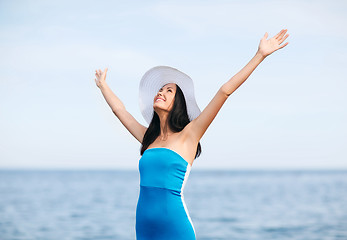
(102, 85)
(260, 56)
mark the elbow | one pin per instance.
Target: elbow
(228, 88)
(118, 111)
(115, 111)
(225, 91)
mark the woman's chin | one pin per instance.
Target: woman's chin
(159, 107)
(158, 104)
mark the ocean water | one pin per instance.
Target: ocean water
(235, 205)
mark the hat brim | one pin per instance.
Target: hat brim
(156, 78)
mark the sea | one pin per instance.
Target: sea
(222, 204)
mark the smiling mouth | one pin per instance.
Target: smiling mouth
(159, 99)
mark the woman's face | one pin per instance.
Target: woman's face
(165, 97)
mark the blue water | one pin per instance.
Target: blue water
(233, 205)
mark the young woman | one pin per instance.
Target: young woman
(170, 144)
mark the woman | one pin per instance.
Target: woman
(170, 144)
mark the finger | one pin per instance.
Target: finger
(283, 38)
(278, 34)
(106, 70)
(282, 34)
(284, 45)
(265, 35)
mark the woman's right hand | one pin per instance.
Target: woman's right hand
(100, 77)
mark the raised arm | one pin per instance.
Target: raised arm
(199, 125)
(118, 108)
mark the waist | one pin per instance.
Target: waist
(146, 188)
(164, 184)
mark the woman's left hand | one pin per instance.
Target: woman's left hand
(268, 46)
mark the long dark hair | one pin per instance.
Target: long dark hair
(177, 120)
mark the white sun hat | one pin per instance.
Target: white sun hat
(154, 79)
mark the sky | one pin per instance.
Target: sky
(289, 114)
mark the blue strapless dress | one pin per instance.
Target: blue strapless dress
(161, 213)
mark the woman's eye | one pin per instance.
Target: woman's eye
(170, 90)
